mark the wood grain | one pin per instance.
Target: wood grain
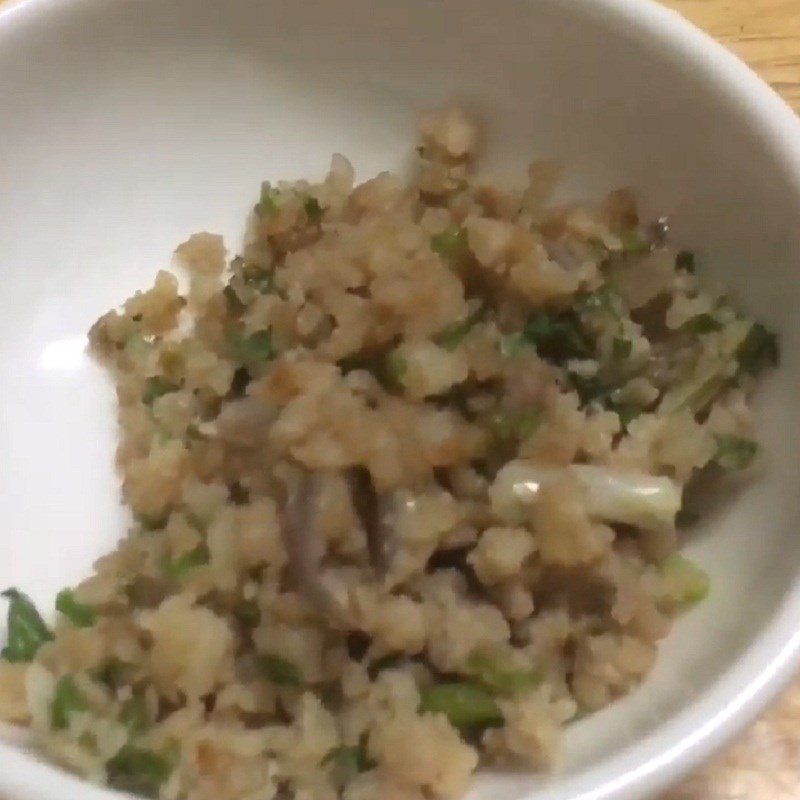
(764, 33)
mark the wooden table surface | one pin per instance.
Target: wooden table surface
(764, 764)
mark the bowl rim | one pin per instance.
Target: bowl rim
(772, 658)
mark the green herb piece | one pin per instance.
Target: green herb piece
(507, 426)
(450, 241)
(257, 346)
(79, 614)
(391, 661)
(67, 700)
(269, 200)
(500, 677)
(179, 567)
(394, 368)
(26, 629)
(590, 389)
(734, 452)
(702, 323)
(467, 705)
(134, 715)
(140, 771)
(708, 379)
(633, 242)
(685, 260)
(557, 337)
(451, 336)
(113, 673)
(248, 613)
(685, 581)
(511, 346)
(627, 412)
(155, 387)
(281, 671)
(313, 209)
(351, 758)
(621, 348)
(758, 350)
(606, 299)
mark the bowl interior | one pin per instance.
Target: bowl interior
(128, 126)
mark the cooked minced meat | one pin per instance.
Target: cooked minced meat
(405, 477)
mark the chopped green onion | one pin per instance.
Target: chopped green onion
(281, 671)
(155, 387)
(633, 242)
(702, 323)
(758, 350)
(750, 344)
(507, 426)
(467, 705)
(734, 452)
(269, 200)
(391, 661)
(451, 336)
(512, 345)
(611, 495)
(313, 209)
(450, 241)
(79, 614)
(257, 346)
(67, 700)
(502, 678)
(627, 412)
(351, 758)
(606, 299)
(593, 390)
(685, 260)
(709, 377)
(185, 563)
(112, 673)
(686, 582)
(134, 715)
(394, 368)
(557, 336)
(248, 613)
(140, 771)
(621, 348)
(26, 629)
(590, 389)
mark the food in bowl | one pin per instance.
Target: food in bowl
(405, 479)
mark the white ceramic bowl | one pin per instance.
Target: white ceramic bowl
(126, 126)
